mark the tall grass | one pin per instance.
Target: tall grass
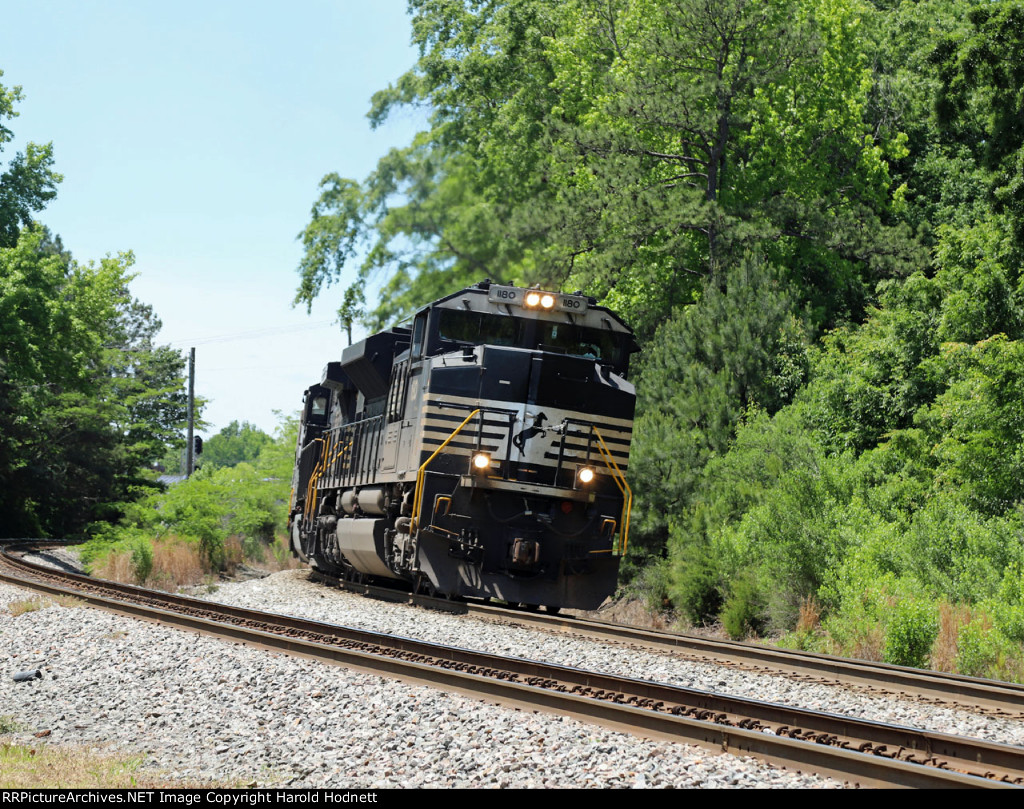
(179, 563)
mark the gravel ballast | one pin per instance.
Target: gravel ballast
(203, 709)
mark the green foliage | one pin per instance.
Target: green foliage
(978, 649)
(86, 399)
(28, 182)
(912, 630)
(986, 69)
(235, 444)
(811, 211)
(246, 500)
(743, 612)
(142, 560)
(651, 585)
(696, 586)
(733, 349)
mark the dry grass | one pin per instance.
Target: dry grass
(115, 567)
(176, 563)
(51, 767)
(952, 618)
(868, 644)
(22, 606)
(809, 617)
(233, 553)
(32, 604)
(278, 556)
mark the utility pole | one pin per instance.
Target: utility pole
(190, 446)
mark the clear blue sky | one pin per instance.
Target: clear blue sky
(195, 135)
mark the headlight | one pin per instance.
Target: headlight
(585, 475)
(532, 298)
(481, 461)
(547, 301)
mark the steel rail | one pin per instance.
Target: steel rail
(764, 721)
(941, 687)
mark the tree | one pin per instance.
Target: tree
(735, 349)
(235, 444)
(29, 181)
(87, 399)
(437, 214)
(985, 71)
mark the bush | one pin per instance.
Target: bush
(651, 585)
(743, 612)
(696, 591)
(977, 649)
(142, 560)
(910, 634)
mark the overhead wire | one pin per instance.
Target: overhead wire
(251, 334)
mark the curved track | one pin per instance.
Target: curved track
(933, 687)
(870, 754)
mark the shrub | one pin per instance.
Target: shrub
(911, 632)
(651, 585)
(743, 611)
(696, 590)
(142, 560)
(978, 649)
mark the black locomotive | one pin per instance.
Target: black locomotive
(479, 452)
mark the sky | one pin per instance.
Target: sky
(195, 135)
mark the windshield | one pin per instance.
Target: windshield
(479, 328)
(581, 341)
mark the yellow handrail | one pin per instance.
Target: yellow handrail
(317, 471)
(620, 481)
(417, 498)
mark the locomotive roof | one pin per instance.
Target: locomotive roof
(507, 300)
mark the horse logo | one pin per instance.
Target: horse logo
(536, 429)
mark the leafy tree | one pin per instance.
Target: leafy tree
(29, 181)
(248, 500)
(87, 399)
(235, 444)
(436, 215)
(985, 70)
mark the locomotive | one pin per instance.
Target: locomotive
(478, 452)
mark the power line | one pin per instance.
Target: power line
(252, 334)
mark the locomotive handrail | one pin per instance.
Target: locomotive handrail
(620, 481)
(311, 486)
(417, 499)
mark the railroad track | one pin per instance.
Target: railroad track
(998, 699)
(867, 753)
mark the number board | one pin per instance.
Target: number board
(516, 296)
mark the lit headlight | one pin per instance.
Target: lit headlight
(532, 298)
(585, 475)
(547, 301)
(481, 461)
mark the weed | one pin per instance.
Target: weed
(53, 767)
(16, 608)
(809, 618)
(743, 611)
(952, 618)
